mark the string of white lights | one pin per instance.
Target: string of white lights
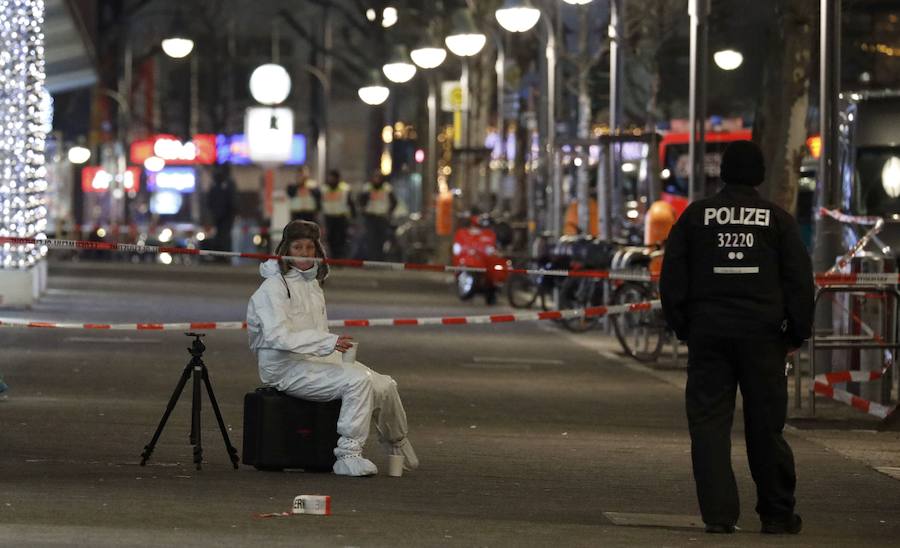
(24, 112)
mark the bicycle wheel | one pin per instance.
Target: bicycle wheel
(643, 333)
(580, 293)
(521, 290)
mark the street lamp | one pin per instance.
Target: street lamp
(178, 47)
(728, 59)
(517, 15)
(515, 21)
(399, 68)
(428, 57)
(389, 17)
(464, 39)
(270, 84)
(79, 155)
(578, 2)
(375, 92)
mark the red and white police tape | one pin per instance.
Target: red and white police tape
(849, 219)
(591, 312)
(824, 387)
(845, 258)
(832, 277)
(52, 243)
(873, 279)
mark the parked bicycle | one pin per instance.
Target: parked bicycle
(577, 292)
(642, 334)
(524, 290)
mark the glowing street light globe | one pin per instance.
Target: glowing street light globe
(399, 68)
(399, 73)
(79, 155)
(464, 39)
(177, 47)
(428, 57)
(578, 2)
(270, 84)
(728, 59)
(374, 95)
(465, 45)
(154, 164)
(517, 15)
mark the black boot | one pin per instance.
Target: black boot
(790, 526)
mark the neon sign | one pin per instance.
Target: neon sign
(96, 179)
(200, 150)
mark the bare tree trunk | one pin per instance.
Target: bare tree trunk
(780, 124)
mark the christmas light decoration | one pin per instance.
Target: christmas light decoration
(24, 117)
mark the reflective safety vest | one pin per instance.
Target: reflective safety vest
(379, 200)
(303, 201)
(335, 200)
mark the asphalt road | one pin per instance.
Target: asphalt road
(527, 436)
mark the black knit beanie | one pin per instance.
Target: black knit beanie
(743, 164)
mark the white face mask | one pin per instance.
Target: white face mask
(310, 273)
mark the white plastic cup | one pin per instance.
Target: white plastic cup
(350, 355)
(395, 466)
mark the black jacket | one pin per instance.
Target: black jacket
(735, 266)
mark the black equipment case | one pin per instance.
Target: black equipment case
(281, 431)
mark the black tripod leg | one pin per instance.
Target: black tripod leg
(148, 449)
(195, 417)
(232, 452)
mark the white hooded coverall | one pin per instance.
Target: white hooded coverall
(297, 356)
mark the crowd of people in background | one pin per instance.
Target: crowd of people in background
(334, 207)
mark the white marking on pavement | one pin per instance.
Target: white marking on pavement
(892, 471)
(497, 366)
(109, 340)
(654, 520)
(533, 361)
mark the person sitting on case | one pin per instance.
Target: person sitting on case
(288, 331)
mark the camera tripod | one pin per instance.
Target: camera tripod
(197, 368)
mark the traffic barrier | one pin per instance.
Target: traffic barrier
(868, 279)
(590, 312)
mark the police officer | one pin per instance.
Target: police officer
(737, 285)
(378, 202)
(304, 198)
(337, 205)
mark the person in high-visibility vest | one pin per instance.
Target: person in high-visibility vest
(378, 202)
(338, 208)
(571, 227)
(304, 198)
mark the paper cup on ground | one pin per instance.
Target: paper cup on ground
(350, 355)
(395, 465)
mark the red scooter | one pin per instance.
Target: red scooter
(476, 246)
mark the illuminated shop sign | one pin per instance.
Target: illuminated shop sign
(96, 179)
(200, 150)
(232, 149)
(175, 179)
(269, 133)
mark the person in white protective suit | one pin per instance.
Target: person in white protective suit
(288, 330)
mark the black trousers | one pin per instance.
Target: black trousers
(377, 232)
(716, 367)
(336, 230)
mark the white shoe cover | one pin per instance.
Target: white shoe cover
(354, 465)
(403, 447)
